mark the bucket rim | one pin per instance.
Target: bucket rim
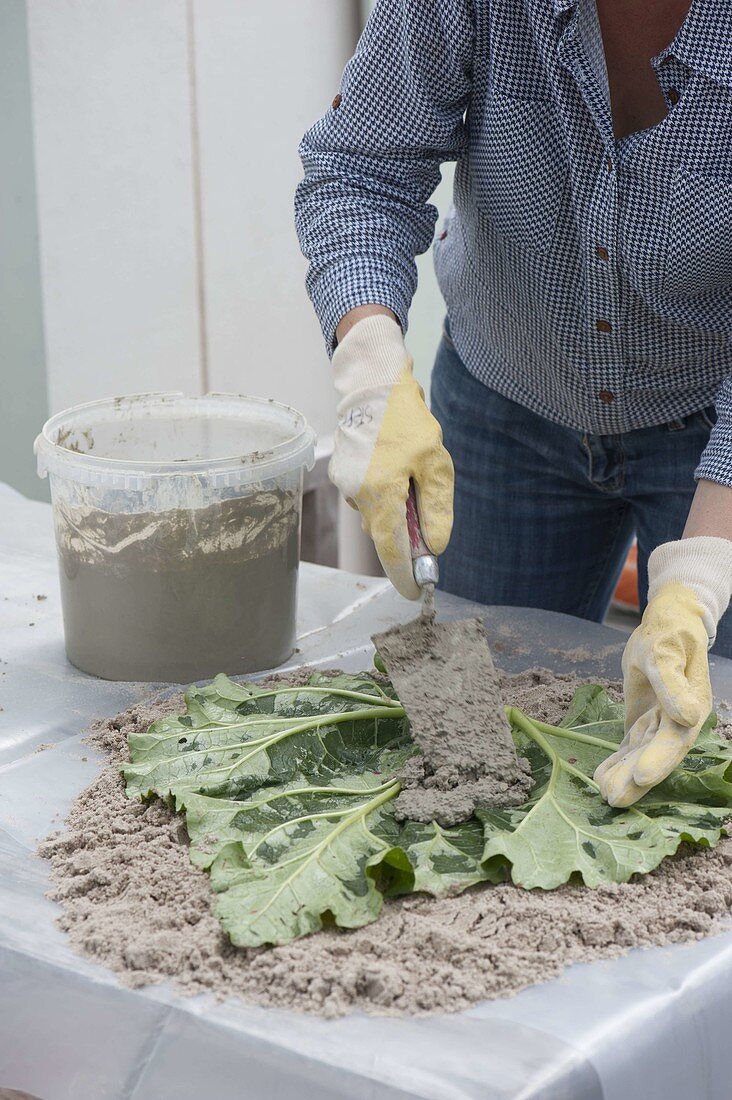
(296, 450)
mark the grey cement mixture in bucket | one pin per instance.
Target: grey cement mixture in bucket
(178, 532)
(183, 594)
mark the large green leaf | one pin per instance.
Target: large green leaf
(286, 794)
(288, 798)
(235, 738)
(286, 858)
(567, 829)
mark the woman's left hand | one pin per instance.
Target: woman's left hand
(668, 695)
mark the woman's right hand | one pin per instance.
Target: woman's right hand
(386, 436)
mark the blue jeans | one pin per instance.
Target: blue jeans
(544, 515)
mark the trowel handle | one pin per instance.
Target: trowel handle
(424, 563)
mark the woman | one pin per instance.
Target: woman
(584, 381)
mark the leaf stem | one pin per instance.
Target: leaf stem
(567, 733)
(344, 811)
(343, 693)
(312, 722)
(535, 730)
(259, 718)
(229, 805)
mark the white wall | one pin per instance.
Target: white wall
(111, 103)
(22, 378)
(264, 73)
(166, 136)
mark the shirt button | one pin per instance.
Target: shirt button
(673, 96)
(337, 102)
(610, 164)
(602, 253)
(606, 396)
(443, 234)
(603, 326)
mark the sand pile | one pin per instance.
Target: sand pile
(131, 899)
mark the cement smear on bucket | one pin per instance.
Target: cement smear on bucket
(441, 670)
(131, 899)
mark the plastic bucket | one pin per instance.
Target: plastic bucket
(178, 532)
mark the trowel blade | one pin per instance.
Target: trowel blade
(446, 681)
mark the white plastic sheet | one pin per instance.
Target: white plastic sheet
(651, 1025)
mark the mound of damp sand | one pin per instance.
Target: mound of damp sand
(131, 899)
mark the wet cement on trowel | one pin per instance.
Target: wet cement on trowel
(131, 900)
(444, 676)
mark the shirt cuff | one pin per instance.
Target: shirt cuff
(716, 460)
(348, 285)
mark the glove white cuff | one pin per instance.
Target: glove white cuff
(703, 564)
(372, 354)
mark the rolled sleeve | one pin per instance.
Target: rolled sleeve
(372, 162)
(716, 460)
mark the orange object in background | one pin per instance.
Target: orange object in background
(626, 592)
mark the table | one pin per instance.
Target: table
(69, 1031)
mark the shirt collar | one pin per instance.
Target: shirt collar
(704, 42)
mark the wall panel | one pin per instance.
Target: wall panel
(264, 73)
(111, 104)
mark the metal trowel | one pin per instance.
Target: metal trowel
(446, 681)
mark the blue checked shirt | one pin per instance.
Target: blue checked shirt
(588, 279)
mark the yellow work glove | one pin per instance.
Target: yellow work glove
(385, 436)
(666, 685)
